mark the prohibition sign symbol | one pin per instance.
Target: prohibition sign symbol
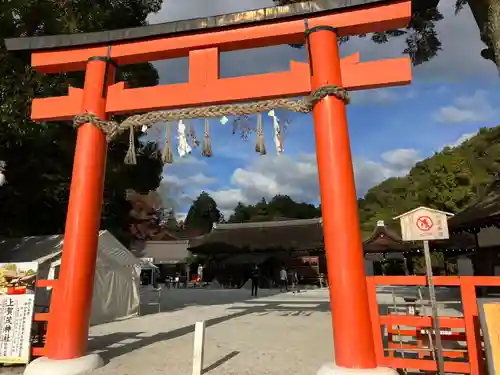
(424, 223)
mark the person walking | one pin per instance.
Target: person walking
(255, 280)
(283, 280)
(295, 282)
(177, 281)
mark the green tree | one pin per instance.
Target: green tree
(40, 156)
(262, 211)
(440, 265)
(449, 180)
(284, 206)
(241, 214)
(203, 213)
(280, 206)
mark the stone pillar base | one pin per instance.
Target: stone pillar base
(46, 366)
(333, 369)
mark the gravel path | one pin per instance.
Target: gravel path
(272, 334)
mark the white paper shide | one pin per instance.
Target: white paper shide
(183, 147)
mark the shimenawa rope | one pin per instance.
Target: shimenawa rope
(113, 128)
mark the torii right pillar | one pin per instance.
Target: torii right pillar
(352, 327)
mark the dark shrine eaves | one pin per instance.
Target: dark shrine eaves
(269, 224)
(182, 27)
(383, 240)
(298, 234)
(381, 232)
(484, 212)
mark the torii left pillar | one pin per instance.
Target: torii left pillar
(67, 335)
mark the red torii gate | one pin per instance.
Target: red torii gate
(202, 40)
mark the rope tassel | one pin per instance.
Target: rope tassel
(260, 146)
(167, 155)
(191, 135)
(207, 143)
(131, 157)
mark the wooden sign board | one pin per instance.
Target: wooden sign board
(17, 302)
(424, 224)
(489, 316)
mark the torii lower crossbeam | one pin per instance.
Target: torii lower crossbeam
(206, 88)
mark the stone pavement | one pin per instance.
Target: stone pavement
(275, 333)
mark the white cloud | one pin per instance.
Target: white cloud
(403, 158)
(473, 108)
(190, 160)
(464, 137)
(382, 96)
(200, 179)
(298, 177)
(177, 191)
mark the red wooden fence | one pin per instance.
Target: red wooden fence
(472, 361)
(42, 319)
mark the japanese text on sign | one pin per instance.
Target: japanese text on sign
(16, 314)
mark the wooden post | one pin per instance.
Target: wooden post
(70, 308)
(343, 244)
(199, 347)
(435, 312)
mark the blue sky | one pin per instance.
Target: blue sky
(450, 98)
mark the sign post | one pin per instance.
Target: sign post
(424, 224)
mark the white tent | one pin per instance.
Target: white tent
(117, 277)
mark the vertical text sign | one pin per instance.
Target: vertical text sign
(17, 302)
(16, 314)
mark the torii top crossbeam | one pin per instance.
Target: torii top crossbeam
(202, 39)
(314, 10)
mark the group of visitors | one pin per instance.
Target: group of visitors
(172, 281)
(283, 280)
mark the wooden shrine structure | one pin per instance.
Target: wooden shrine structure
(325, 78)
(280, 235)
(483, 213)
(233, 249)
(384, 246)
(291, 242)
(387, 246)
(481, 220)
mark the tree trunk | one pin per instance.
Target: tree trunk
(487, 16)
(494, 29)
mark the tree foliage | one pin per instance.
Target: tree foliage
(281, 206)
(40, 156)
(448, 181)
(203, 213)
